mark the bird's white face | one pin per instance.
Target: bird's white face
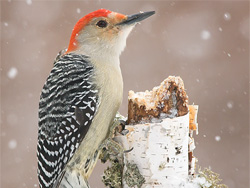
(103, 36)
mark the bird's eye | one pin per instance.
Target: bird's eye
(102, 23)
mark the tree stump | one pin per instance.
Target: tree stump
(160, 127)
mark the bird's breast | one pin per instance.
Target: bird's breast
(110, 83)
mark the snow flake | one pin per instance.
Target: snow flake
(220, 29)
(12, 72)
(230, 104)
(228, 54)
(78, 10)
(227, 16)
(172, 4)
(6, 24)
(29, 2)
(217, 138)
(12, 144)
(205, 35)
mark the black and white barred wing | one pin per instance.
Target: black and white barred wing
(67, 106)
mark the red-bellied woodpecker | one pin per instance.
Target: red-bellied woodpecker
(81, 97)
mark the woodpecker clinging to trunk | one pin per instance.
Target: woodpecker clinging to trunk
(81, 97)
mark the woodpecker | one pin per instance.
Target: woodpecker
(80, 98)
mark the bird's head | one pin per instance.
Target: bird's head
(102, 32)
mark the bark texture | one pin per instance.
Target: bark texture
(167, 100)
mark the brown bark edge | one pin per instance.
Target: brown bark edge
(165, 98)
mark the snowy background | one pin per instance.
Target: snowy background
(206, 43)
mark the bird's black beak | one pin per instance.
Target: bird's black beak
(135, 18)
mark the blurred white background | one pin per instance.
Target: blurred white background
(204, 42)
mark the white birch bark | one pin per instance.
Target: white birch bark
(160, 151)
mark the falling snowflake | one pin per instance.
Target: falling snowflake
(78, 10)
(230, 104)
(205, 35)
(217, 138)
(220, 29)
(29, 2)
(228, 54)
(172, 4)
(12, 144)
(12, 72)
(6, 24)
(227, 16)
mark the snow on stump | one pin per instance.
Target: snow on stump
(159, 135)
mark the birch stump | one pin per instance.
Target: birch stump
(159, 130)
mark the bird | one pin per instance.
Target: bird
(80, 98)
